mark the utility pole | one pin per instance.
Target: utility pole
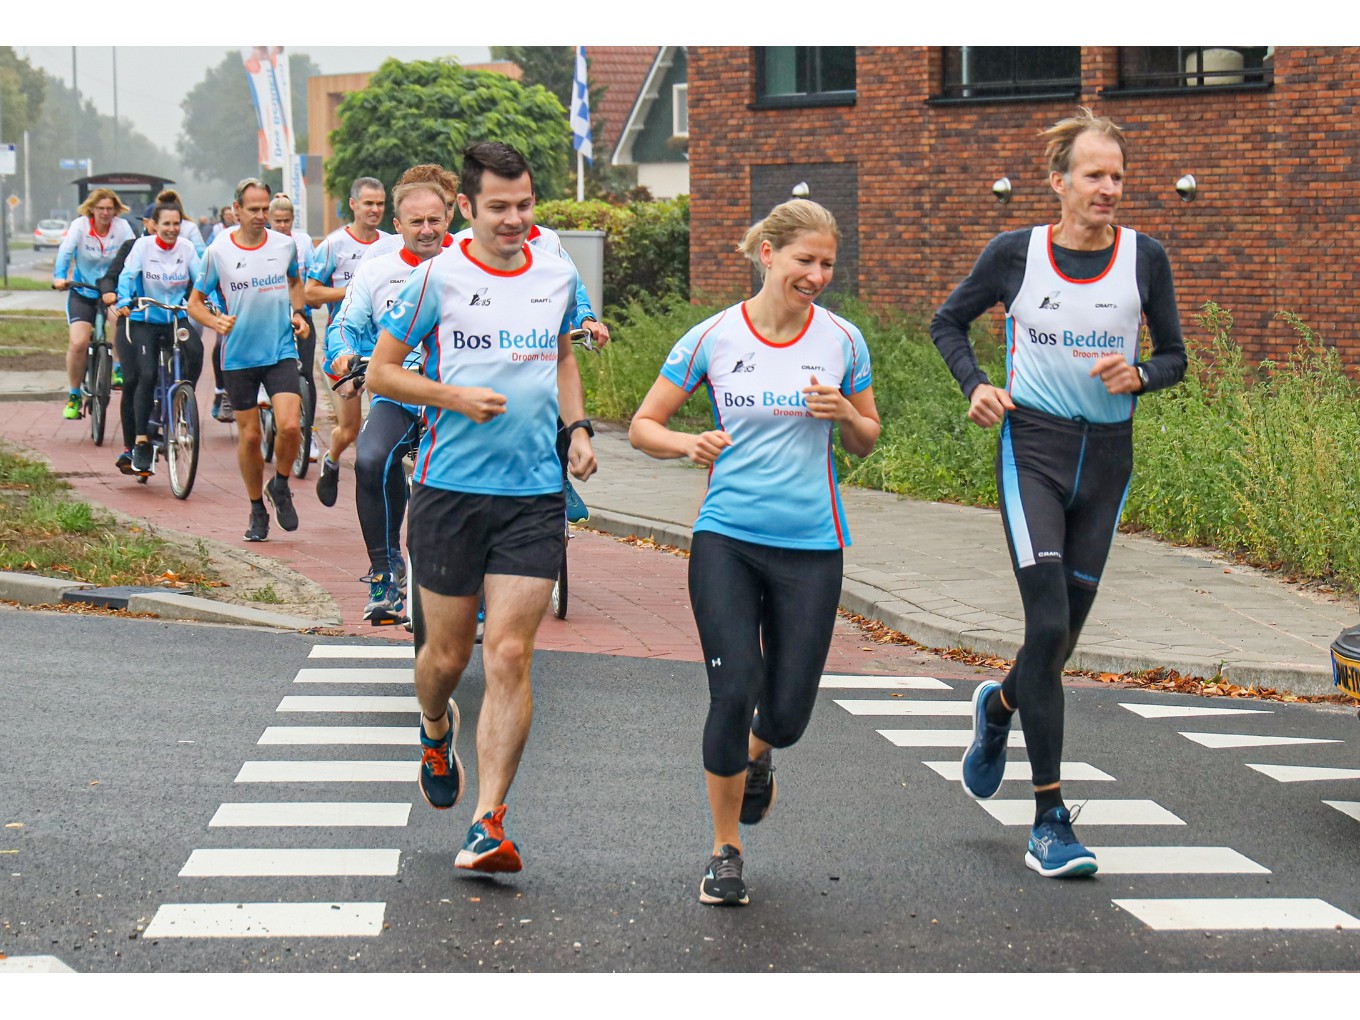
(116, 132)
(4, 206)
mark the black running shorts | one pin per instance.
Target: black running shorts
(457, 538)
(243, 384)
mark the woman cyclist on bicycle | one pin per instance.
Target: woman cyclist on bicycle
(84, 256)
(161, 265)
(765, 564)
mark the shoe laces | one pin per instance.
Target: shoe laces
(436, 759)
(727, 863)
(493, 823)
(758, 771)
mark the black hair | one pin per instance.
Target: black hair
(498, 158)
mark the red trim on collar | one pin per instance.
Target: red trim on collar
(466, 242)
(770, 343)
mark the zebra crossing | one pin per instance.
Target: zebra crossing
(1242, 913)
(250, 822)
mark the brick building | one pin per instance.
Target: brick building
(905, 143)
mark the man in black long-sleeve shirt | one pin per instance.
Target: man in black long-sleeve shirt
(1075, 294)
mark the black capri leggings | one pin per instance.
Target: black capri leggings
(137, 345)
(765, 617)
(388, 435)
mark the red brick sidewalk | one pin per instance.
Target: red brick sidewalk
(623, 600)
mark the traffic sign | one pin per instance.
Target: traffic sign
(13, 201)
(69, 164)
(8, 162)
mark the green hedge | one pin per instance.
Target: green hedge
(1262, 462)
(646, 245)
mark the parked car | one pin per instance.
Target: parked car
(48, 234)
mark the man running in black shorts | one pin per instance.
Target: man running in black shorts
(1075, 294)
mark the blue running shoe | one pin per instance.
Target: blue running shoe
(984, 763)
(386, 606)
(487, 848)
(441, 773)
(577, 511)
(1054, 850)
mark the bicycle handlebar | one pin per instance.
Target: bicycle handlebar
(143, 303)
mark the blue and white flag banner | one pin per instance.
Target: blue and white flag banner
(580, 108)
(261, 63)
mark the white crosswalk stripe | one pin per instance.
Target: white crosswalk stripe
(1174, 860)
(1238, 914)
(349, 703)
(363, 652)
(328, 772)
(293, 814)
(277, 862)
(1186, 711)
(1072, 771)
(265, 920)
(941, 738)
(1093, 812)
(1218, 740)
(1304, 773)
(882, 706)
(841, 682)
(330, 675)
(397, 736)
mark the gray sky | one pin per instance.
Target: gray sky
(152, 80)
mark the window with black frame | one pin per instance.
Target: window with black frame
(805, 75)
(990, 72)
(1193, 67)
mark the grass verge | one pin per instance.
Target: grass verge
(44, 531)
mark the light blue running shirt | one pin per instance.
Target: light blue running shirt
(252, 284)
(776, 484)
(486, 327)
(155, 271)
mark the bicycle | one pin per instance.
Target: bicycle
(560, 590)
(268, 431)
(97, 385)
(172, 429)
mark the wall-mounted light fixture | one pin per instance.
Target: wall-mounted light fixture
(1185, 187)
(1002, 189)
(801, 190)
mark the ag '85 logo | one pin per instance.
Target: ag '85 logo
(479, 298)
(399, 309)
(678, 355)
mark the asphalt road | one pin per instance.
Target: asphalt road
(870, 862)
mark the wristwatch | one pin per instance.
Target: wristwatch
(1142, 374)
(584, 423)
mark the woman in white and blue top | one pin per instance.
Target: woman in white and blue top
(766, 559)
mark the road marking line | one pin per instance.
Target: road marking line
(831, 681)
(290, 863)
(1303, 773)
(349, 703)
(362, 652)
(33, 965)
(383, 735)
(356, 675)
(1346, 807)
(1071, 770)
(1093, 812)
(328, 772)
(1174, 860)
(265, 920)
(291, 814)
(882, 706)
(1182, 711)
(1238, 914)
(1220, 740)
(940, 738)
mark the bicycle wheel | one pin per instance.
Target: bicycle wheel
(559, 589)
(267, 433)
(181, 439)
(303, 460)
(99, 396)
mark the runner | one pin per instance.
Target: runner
(420, 214)
(333, 264)
(253, 276)
(84, 256)
(765, 562)
(1075, 293)
(487, 504)
(161, 265)
(281, 216)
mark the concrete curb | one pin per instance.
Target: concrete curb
(34, 590)
(935, 631)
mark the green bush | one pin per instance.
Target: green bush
(646, 245)
(1259, 461)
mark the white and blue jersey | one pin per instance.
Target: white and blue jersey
(548, 240)
(252, 284)
(1058, 327)
(776, 484)
(156, 271)
(305, 250)
(487, 327)
(91, 252)
(188, 230)
(372, 290)
(336, 259)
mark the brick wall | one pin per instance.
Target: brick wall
(1274, 225)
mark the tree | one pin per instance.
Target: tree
(429, 111)
(22, 88)
(220, 139)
